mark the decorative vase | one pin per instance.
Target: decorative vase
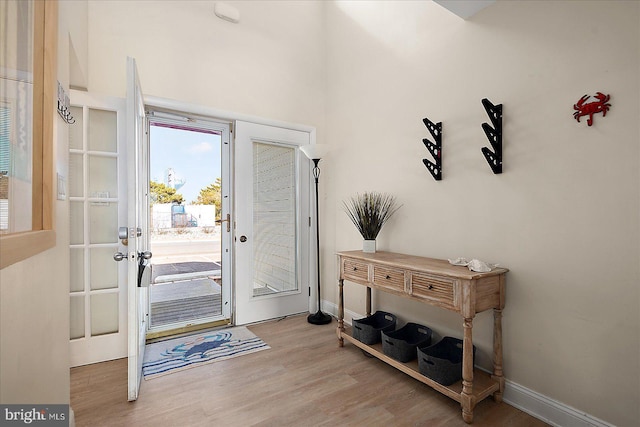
(369, 246)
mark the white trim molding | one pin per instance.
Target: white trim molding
(546, 409)
(533, 403)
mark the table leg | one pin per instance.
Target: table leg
(340, 312)
(467, 402)
(497, 354)
(368, 301)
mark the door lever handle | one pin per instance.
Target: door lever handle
(142, 264)
(228, 221)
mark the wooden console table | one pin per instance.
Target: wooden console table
(434, 282)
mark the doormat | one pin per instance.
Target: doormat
(175, 355)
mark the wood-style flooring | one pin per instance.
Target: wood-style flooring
(305, 379)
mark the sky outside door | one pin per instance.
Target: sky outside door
(187, 229)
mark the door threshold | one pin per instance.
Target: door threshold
(160, 335)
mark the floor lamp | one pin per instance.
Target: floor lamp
(315, 152)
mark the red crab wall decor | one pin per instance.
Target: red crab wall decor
(589, 109)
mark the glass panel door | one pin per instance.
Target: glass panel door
(272, 202)
(274, 219)
(97, 203)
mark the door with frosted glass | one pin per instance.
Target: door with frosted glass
(97, 205)
(272, 226)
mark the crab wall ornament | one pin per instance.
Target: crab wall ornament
(589, 109)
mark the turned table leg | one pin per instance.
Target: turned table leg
(467, 402)
(497, 354)
(340, 312)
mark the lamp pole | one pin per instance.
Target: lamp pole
(318, 318)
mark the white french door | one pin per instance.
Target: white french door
(137, 228)
(97, 205)
(108, 204)
(272, 222)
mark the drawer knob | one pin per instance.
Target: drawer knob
(430, 287)
(355, 268)
(388, 277)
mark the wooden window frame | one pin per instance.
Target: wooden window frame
(17, 247)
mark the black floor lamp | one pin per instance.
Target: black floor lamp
(315, 152)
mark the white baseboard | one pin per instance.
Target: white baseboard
(533, 403)
(546, 409)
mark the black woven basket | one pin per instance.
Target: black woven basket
(368, 330)
(402, 344)
(442, 362)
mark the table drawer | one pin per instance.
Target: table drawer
(356, 269)
(388, 278)
(434, 289)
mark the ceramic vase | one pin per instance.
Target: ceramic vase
(369, 246)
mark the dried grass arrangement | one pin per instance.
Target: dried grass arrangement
(370, 211)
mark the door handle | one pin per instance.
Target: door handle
(228, 221)
(119, 256)
(142, 264)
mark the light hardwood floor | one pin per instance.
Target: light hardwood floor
(305, 379)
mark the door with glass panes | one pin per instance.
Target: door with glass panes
(97, 205)
(273, 222)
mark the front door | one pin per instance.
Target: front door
(137, 228)
(272, 222)
(108, 203)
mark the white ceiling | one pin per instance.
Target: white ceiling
(465, 9)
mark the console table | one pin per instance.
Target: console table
(434, 282)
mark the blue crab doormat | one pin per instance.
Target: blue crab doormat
(167, 357)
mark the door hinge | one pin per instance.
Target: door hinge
(309, 291)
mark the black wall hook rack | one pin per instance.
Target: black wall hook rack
(494, 134)
(434, 148)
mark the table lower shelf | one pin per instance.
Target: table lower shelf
(483, 385)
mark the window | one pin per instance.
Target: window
(27, 82)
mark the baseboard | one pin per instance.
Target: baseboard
(332, 309)
(546, 409)
(533, 403)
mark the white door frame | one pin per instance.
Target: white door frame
(230, 116)
(206, 123)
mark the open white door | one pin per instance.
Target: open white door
(272, 222)
(137, 229)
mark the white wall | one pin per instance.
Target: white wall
(204, 214)
(161, 216)
(267, 65)
(34, 294)
(564, 215)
